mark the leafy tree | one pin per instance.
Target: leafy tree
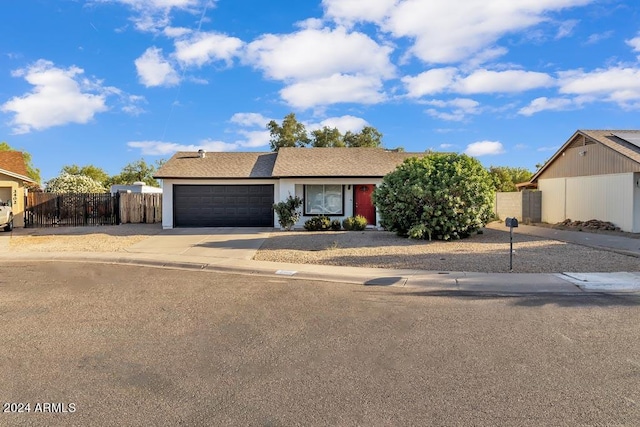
(139, 170)
(93, 172)
(68, 183)
(505, 178)
(292, 133)
(367, 137)
(32, 171)
(327, 137)
(442, 196)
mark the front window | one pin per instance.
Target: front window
(323, 200)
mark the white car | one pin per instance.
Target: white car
(6, 216)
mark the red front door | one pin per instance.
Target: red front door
(364, 204)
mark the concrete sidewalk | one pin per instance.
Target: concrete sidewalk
(499, 283)
(609, 242)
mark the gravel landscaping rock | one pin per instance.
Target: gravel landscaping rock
(487, 252)
(81, 239)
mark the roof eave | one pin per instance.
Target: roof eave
(18, 176)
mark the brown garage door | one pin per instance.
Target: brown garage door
(223, 205)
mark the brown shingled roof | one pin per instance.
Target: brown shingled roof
(288, 162)
(340, 162)
(218, 165)
(13, 161)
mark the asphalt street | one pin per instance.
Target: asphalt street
(129, 345)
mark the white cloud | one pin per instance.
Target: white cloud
(446, 31)
(254, 138)
(634, 43)
(161, 148)
(250, 120)
(350, 11)
(338, 88)
(484, 148)
(174, 32)
(154, 70)
(430, 82)
(460, 108)
(596, 37)
(509, 81)
(566, 28)
(449, 79)
(342, 123)
(154, 15)
(312, 53)
(546, 104)
(203, 48)
(618, 85)
(60, 96)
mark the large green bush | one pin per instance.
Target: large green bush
(441, 196)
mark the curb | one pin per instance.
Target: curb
(433, 283)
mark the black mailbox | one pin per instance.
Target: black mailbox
(511, 222)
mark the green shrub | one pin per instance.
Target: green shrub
(441, 196)
(355, 223)
(335, 225)
(288, 213)
(318, 223)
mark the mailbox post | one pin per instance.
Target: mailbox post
(511, 223)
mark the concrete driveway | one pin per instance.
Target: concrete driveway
(215, 242)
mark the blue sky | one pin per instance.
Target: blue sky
(107, 82)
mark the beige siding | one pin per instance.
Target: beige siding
(553, 199)
(604, 197)
(608, 198)
(14, 191)
(595, 160)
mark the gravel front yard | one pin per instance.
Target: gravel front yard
(106, 238)
(487, 252)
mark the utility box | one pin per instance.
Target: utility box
(511, 222)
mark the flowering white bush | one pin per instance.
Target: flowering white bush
(66, 183)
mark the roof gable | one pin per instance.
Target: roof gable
(606, 138)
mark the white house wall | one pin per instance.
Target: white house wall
(167, 192)
(295, 187)
(603, 197)
(553, 199)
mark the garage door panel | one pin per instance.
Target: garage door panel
(223, 205)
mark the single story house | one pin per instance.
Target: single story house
(14, 182)
(594, 175)
(238, 189)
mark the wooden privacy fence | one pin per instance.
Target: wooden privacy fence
(77, 209)
(140, 208)
(83, 209)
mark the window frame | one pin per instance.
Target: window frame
(306, 198)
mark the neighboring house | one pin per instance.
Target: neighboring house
(594, 175)
(238, 189)
(13, 183)
(136, 187)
